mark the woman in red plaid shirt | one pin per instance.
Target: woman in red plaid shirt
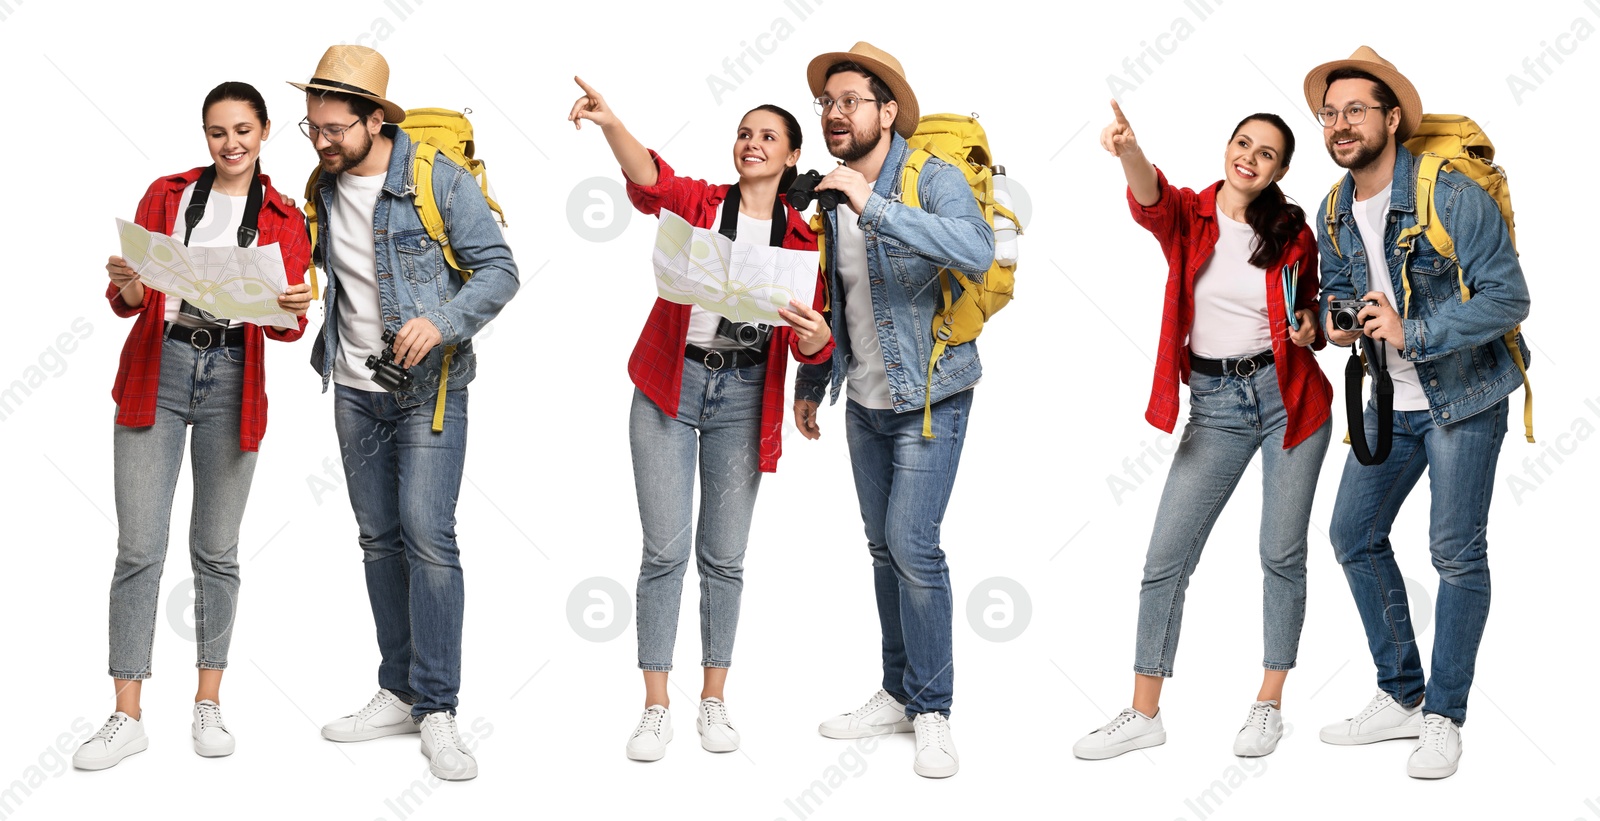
(183, 368)
(709, 393)
(1239, 326)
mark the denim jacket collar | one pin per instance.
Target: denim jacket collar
(1402, 188)
(888, 182)
(397, 182)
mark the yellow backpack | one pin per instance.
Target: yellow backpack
(435, 131)
(961, 142)
(1452, 142)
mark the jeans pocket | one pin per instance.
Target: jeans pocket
(1204, 384)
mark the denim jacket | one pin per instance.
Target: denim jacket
(431, 288)
(1461, 359)
(906, 247)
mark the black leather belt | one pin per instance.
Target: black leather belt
(203, 338)
(719, 358)
(1244, 367)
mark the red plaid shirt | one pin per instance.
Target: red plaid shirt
(1186, 225)
(657, 362)
(139, 373)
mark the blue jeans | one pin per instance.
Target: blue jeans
(718, 429)
(403, 480)
(203, 389)
(1230, 418)
(903, 484)
(1460, 460)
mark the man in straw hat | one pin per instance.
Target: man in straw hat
(1451, 375)
(883, 260)
(403, 474)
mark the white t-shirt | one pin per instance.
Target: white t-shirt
(703, 323)
(1370, 216)
(356, 268)
(1230, 298)
(868, 382)
(219, 228)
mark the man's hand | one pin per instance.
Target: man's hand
(805, 418)
(415, 339)
(1381, 322)
(849, 182)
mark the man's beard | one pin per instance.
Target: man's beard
(1364, 154)
(858, 146)
(347, 159)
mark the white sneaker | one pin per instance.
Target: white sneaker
(716, 732)
(1382, 719)
(120, 737)
(384, 715)
(1438, 749)
(448, 760)
(1130, 730)
(881, 715)
(936, 750)
(649, 739)
(211, 736)
(1261, 731)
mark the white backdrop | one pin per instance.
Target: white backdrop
(1045, 547)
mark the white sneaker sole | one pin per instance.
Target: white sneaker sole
(935, 772)
(1344, 740)
(213, 750)
(1101, 753)
(113, 760)
(903, 726)
(1246, 751)
(652, 755)
(466, 773)
(718, 745)
(342, 736)
(1431, 772)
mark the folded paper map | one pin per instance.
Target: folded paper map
(742, 281)
(233, 283)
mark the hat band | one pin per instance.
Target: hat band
(318, 81)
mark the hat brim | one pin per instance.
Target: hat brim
(391, 112)
(1316, 88)
(905, 122)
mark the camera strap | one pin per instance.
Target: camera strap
(197, 211)
(730, 218)
(1377, 353)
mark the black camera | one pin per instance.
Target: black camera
(1343, 312)
(744, 334)
(385, 372)
(804, 189)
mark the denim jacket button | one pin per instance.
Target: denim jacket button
(1445, 415)
(1433, 383)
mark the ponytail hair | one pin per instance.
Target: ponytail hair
(791, 128)
(242, 93)
(1275, 220)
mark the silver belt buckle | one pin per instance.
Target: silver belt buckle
(194, 338)
(1238, 367)
(721, 360)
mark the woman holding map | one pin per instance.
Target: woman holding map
(709, 391)
(184, 368)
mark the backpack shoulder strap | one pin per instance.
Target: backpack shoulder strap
(428, 206)
(310, 209)
(1330, 220)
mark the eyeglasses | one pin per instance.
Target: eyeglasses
(847, 104)
(334, 133)
(1354, 114)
